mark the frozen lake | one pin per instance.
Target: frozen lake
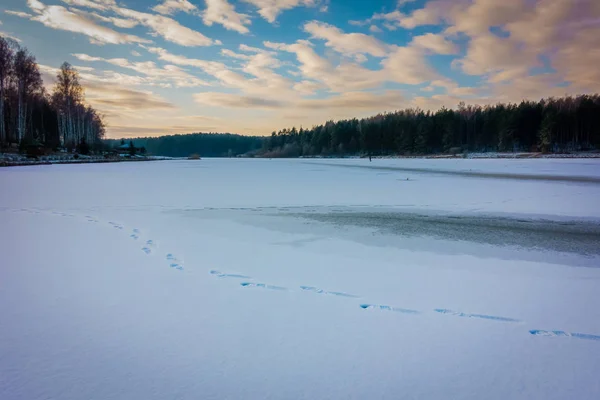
(301, 279)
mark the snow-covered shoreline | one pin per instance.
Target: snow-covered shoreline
(474, 155)
(16, 160)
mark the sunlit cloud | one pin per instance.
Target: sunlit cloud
(58, 17)
(223, 13)
(156, 75)
(346, 43)
(166, 27)
(93, 4)
(170, 7)
(270, 9)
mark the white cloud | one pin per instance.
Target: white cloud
(156, 75)
(166, 27)
(358, 23)
(264, 83)
(360, 58)
(270, 9)
(352, 101)
(375, 29)
(118, 22)
(436, 43)
(307, 87)
(390, 20)
(488, 54)
(223, 13)
(237, 101)
(169, 7)
(9, 35)
(181, 60)
(346, 43)
(94, 4)
(58, 17)
(556, 34)
(233, 54)
(433, 13)
(348, 103)
(389, 26)
(18, 14)
(251, 49)
(408, 65)
(346, 76)
(135, 53)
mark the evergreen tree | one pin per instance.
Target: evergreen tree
(132, 148)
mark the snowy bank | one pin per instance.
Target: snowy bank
(12, 160)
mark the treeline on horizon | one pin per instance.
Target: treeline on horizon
(550, 125)
(32, 118)
(553, 125)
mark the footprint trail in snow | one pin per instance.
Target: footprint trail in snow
(150, 246)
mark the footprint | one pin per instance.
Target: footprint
(149, 247)
(135, 234)
(482, 316)
(262, 286)
(62, 214)
(342, 294)
(224, 275)
(174, 262)
(312, 289)
(565, 334)
(115, 225)
(90, 218)
(177, 266)
(388, 308)
(321, 291)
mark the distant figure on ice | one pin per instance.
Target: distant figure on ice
(369, 158)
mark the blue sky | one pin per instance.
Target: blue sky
(254, 66)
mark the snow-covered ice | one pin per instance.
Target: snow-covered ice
(301, 279)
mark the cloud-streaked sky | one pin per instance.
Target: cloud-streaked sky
(253, 66)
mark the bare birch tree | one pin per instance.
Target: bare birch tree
(6, 62)
(67, 97)
(29, 80)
